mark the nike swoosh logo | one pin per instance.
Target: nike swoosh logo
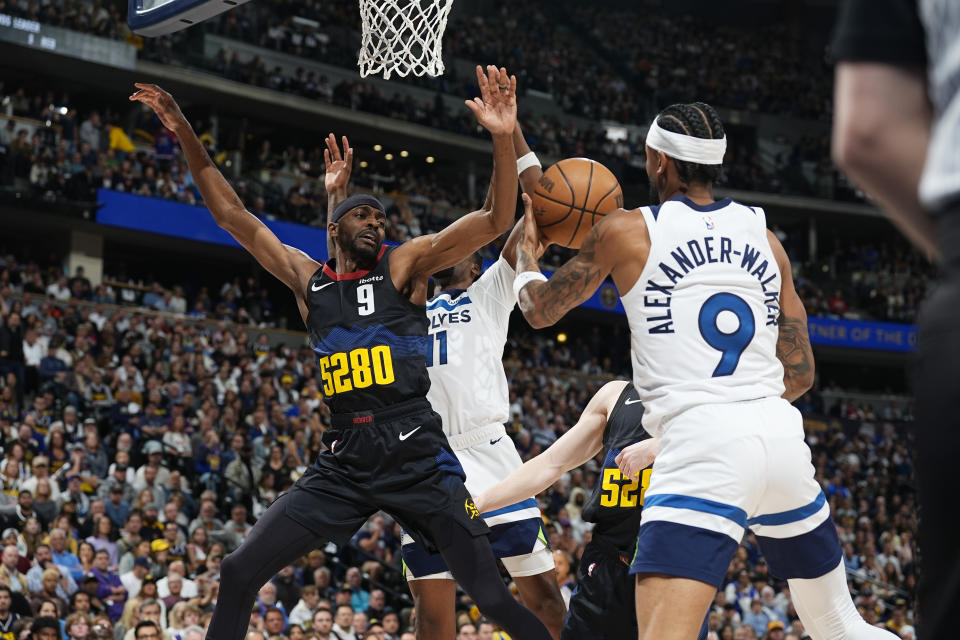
(404, 436)
(492, 442)
(626, 402)
(316, 288)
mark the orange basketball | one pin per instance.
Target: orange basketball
(571, 197)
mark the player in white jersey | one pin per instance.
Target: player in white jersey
(468, 388)
(719, 346)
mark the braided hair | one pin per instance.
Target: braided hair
(700, 120)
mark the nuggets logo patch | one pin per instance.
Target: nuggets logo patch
(470, 508)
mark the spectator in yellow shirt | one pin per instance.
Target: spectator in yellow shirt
(118, 139)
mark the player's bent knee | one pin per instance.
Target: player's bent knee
(236, 573)
(493, 602)
(231, 570)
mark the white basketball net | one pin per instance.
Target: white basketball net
(402, 36)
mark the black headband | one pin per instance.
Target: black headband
(354, 201)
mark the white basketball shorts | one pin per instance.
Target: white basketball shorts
(488, 456)
(723, 468)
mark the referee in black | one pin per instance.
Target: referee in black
(365, 311)
(897, 135)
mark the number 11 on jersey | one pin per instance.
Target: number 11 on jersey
(440, 339)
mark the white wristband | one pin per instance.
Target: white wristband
(526, 161)
(524, 278)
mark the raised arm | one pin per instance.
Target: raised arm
(496, 110)
(583, 441)
(543, 302)
(529, 175)
(289, 265)
(336, 178)
(793, 343)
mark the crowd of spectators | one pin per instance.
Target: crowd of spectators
(140, 447)
(786, 78)
(70, 155)
(778, 68)
(65, 154)
(880, 281)
(597, 62)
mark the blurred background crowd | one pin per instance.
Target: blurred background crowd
(56, 153)
(148, 419)
(156, 437)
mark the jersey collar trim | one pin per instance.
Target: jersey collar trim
(713, 206)
(453, 293)
(353, 275)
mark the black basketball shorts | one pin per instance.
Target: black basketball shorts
(602, 606)
(396, 460)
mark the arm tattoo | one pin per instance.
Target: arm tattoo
(544, 303)
(526, 261)
(796, 355)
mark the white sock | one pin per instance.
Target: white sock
(827, 611)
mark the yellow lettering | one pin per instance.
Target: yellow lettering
(382, 365)
(619, 491)
(360, 367)
(327, 378)
(339, 360)
(610, 477)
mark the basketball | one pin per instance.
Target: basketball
(571, 196)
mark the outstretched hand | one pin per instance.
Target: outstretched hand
(496, 108)
(532, 239)
(337, 165)
(162, 104)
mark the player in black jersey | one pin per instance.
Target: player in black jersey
(602, 606)
(365, 313)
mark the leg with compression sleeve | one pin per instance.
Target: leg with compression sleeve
(472, 563)
(827, 610)
(275, 541)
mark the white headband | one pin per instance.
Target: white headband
(686, 148)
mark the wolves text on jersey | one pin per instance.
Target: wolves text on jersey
(439, 318)
(698, 253)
